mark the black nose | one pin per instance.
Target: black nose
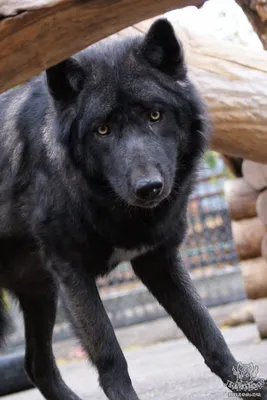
(148, 188)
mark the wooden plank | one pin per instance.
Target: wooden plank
(37, 34)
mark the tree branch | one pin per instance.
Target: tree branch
(256, 12)
(37, 34)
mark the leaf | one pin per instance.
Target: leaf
(211, 159)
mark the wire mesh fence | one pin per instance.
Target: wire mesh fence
(209, 243)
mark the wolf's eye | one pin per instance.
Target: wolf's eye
(103, 130)
(155, 115)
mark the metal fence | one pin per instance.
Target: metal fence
(209, 243)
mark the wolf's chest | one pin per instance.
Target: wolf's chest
(119, 254)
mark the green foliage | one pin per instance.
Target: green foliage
(6, 300)
(211, 158)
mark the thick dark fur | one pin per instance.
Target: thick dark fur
(75, 202)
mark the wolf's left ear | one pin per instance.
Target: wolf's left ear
(65, 80)
(162, 49)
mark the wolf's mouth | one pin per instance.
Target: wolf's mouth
(150, 203)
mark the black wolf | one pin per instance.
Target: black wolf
(98, 158)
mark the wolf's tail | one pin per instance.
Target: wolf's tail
(4, 320)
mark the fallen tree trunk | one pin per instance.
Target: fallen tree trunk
(256, 13)
(248, 235)
(241, 199)
(232, 80)
(35, 34)
(254, 273)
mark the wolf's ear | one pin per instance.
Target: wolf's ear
(65, 80)
(162, 49)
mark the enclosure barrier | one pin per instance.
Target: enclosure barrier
(247, 201)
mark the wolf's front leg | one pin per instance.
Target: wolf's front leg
(39, 305)
(93, 326)
(164, 274)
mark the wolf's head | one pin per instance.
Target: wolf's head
(131, 119)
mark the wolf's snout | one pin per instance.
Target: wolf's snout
(148, 188)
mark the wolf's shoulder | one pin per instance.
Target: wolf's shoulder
(27, 101)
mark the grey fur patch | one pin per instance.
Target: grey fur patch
(10, 140)
(120, 254)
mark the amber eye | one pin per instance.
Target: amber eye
(155, 115)
(103, 130)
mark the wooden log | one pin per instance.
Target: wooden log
(262, 207)
(256, 12)
(254, 273)
(255, 174)
(242, 315)
(264, 246)
(233, 81)
(36, 34)
(241, 199)
(248, 235)
(259, 308)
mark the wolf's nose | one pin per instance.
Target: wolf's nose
(149, 188)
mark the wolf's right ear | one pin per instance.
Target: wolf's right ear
(163, 50)
(65, 80)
